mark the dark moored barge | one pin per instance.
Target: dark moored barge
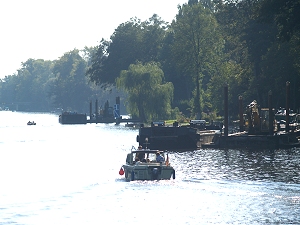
(163, 137)
(72, 118)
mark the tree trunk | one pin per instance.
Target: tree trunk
(197, 98)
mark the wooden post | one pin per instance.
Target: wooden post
(226, 110)
(118, 108)
(91, 114)
(271, 116)
(118, 100)
(96, 109)
(287, 110)
(241, 113)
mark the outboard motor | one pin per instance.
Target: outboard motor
(216, 137)
(155, 173)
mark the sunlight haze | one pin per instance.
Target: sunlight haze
(47, 29)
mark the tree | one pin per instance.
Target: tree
(285, 14)
(148, 97)
(132, 41)
(282, 59)
(8, 90)
(95, 71)
(29, 86)
(246, 44)
(69, 88)
(196, 45)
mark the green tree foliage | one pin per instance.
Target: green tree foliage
(282, 60)
(263, 62)
(95, 72)
(41, 85)
(8, 93)
(197, 46)
(27, 90)
(284, 13)
(69, 89)
(234, 68)
(183, 85)
(132, 41)
(87, 54)
(251, 45)
(246, 43)
(281, 57)
(148, 97)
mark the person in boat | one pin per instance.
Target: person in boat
(140, 156)
(159, 157)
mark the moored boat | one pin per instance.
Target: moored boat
(169, 137)
(31, 123)
(143, 164)
(72, 118)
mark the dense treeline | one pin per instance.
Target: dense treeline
(43, 85)
(168, 70)
(250, 45)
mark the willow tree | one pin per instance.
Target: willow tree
(148, 97)
(197, 45)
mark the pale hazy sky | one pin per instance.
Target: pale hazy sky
(46, 29)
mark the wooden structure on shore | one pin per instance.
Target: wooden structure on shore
(106, 115)
(173, 138)
(261, 132)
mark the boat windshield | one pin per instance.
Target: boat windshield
(149, 156)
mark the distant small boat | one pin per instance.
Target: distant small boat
(31, 123)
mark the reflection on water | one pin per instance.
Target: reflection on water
(68, 174)
(268, 165)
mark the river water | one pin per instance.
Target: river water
(68, 174)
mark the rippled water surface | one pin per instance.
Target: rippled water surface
(68, 174)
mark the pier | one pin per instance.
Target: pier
(260, 132)
(106, 115)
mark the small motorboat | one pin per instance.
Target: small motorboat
(143, 164)
(31, 123)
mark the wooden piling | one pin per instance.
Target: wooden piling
(226, 110)
(271, 116)
(241, 113)
(287, 108)
(91, 114)
(96, 109)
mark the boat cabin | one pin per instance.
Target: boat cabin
(158, 124)
(200, 124)
(142, 156)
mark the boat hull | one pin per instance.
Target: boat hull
(147, 171)
(169, 138)
(72, 118)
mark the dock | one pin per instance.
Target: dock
(244, 140)
(173, 138)
(260, 132)
(106, 115)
